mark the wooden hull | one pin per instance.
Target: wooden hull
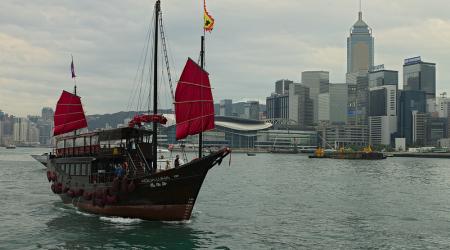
(168, 195)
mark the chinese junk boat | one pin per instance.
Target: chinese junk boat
(114, 172)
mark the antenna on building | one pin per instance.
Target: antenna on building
(360, 11)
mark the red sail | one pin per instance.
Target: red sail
(69, 114)
(194, 107)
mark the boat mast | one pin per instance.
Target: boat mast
(202, 65)
(155, 86)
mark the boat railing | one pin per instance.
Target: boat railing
(142, 158)
(133, 165)
(76, 151)
(102, 177)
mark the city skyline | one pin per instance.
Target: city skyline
(38, 38)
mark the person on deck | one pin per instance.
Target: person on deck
(177, 161)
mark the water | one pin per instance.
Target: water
(262, 202)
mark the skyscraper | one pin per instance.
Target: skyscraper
(226, 107)
(317, 82)
(382, 114)
(360, 47)
(419, 75)
(333, 104)
(410, 101)
(300, 105)
(382, 77)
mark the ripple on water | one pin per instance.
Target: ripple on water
(268, 201)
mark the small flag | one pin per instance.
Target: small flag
(72, 68)
(209, 20)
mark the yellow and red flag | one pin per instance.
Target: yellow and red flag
(208, 19)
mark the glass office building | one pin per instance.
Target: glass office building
(420, 76)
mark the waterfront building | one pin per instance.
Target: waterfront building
(358, 98)
(383, 101)
(317, 82)
(47, 114)
(378, 76)
(360, 47)
(333, 104)
(381, 129)
(351, 105)
(216, 108)
(21, 126)
(277, 106)
(419, 121)
(442, 105)
(336, 136)
(246, 110)
(409, 101)
(282, 86)
(238, 109)
(251, 110)
(286, 139)
(420, 76)
(226, 107)
(300, 106)
(437, 128)
(382, 114)
(229, 131)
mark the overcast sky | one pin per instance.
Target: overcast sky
(254, 43)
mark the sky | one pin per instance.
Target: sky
(254, 43)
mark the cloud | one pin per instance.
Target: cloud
(255, 43)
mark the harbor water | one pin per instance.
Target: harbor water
(267, 201)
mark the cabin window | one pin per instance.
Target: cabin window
(79, 142)
(94, 140)
(60, 144)
(88, 169)
(72, 169)
(69, 143)
(79, 172)
(83, 169)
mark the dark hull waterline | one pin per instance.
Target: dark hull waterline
(168, 195)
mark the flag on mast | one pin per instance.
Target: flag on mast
(72, 68)
(208, 19)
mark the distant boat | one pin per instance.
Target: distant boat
(11, 146)
(365, 154)
(251, 154)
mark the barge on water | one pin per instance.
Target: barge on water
(365, 154)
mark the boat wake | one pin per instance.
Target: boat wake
(120, 220)
(84, 214)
